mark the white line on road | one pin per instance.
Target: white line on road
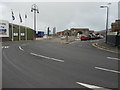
(91, 86)
(113, 58)
(73, 42)
(107, 70)
(20, 48)
(47, 57)
(5, 46)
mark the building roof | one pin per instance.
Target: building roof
(15, 25)
(79, 28)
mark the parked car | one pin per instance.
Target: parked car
(87, 37)
(83, 37)
(101, 36)
(96, 37)
(91, 37)
(63, 37)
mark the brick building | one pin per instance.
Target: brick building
(62, 33)
(75, 31)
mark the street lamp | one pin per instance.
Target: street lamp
(106, 6)
(34, 8)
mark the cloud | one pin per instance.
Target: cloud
(63, 15)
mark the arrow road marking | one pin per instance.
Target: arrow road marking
(21, 48)
(47, 57)
(113, 58)
(107, 70)
(93, 87)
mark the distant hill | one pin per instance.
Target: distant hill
(102, 31)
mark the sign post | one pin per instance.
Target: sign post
(67, 35)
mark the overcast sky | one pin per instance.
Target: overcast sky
(62, 15)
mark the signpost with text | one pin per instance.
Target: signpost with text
(4, 28)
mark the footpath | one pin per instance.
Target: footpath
(107, 47)
(57, 40)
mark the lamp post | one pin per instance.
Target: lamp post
(106, 6)
(34, 8)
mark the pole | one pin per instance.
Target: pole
(48, 31)
(67, 35)
(19, 33)
(74, 34)
(107, 23)
(34, 23)
(12, 30)
(25, 30)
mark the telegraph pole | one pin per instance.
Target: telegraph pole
(48, 31)
(66, 35)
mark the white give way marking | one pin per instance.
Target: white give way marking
(107, 70)
(113, 58)
(93, 87)
(5, 46)
(47, 57)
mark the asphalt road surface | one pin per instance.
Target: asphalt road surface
(43, 64)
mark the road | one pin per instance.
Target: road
(44, 64)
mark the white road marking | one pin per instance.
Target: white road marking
(113, 58)
(47, 57)
(96, 43)
(107, 70)
(91, 86)
(71, 42)
(20, 48)
(5, 46)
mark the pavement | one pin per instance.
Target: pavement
(56, 39)
(45, 64)
(107, 47)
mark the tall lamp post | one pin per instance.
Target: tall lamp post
(34, 8)
(106, 6)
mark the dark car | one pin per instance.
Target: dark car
(91, 37)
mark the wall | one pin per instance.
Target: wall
(113, 39)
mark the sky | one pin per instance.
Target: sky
(62, 15)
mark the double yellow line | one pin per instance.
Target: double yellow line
(94, 44)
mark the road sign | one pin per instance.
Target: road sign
(4, 28)
(15, 34)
